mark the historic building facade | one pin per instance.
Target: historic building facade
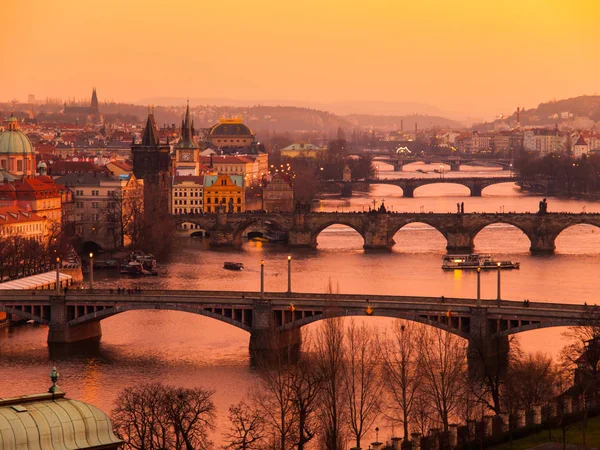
(224, 190)
(187, 153)
(278, 195)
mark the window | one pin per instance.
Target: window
(20, 165)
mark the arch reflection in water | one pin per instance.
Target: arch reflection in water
(419, 237)
(501, 238)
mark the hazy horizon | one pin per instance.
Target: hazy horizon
(465, 58)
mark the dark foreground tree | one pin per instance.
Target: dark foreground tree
(248, 428)
(155, 416)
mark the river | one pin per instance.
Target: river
(189, 350)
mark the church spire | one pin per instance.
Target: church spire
(94, 104)
(150, 136)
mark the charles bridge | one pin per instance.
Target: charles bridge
(274, 319)
(475, 184)
(378, 229)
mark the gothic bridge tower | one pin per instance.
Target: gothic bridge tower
(152, 163)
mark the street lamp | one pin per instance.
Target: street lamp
(441, 171)
(499, 264)
(479, 287)
(289, 274)
(91, 270)
(262, 278)
(57, 276)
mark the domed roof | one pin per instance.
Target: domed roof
(13, 140)
(46, 421)
(230, 127)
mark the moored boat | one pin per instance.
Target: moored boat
(476, 261)
(233, 266)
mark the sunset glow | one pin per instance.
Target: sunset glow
(468, 56)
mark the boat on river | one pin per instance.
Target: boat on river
(476, 261)
(233, 266)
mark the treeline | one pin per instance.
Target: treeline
(350, 378)
(21, 256)
(563, 174)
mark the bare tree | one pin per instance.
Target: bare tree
(307, 384)
(402, 374)
(156, 416)
(139, 418)
(362, 384)
(275, 399)
(330, 355)
(535, 378)
(191, 413)
(443, 358)
(248, 428)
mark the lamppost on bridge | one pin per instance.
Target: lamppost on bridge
(479, 287)
(262, 278)
(289, 274)
(57, 276)
(91, 271)
(499, 264)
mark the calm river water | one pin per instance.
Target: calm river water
(189, 350)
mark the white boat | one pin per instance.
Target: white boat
(476, 261)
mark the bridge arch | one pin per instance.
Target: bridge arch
(260, 221)
(109, 312)
(540, 325)
(503, 221)
(592, 241)
(315, 232)
(430, 227)
(444, 181)
(380, 313)
(24, 314)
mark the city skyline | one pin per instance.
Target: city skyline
(463, 59)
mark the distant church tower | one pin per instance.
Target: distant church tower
(152, 163)
(187, 154)
(94, 105)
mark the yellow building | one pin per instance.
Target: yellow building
(224, 190)
(302, 150)
(18, 222)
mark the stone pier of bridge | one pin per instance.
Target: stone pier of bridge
(58, 330)
(267, 342)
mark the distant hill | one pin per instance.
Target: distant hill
(260, 118)
(579, 111)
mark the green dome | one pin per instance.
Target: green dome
(14, 141)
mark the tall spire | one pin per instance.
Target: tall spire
(187, 134)
(94, 104)
(150, 136)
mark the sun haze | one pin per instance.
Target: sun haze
(469, 56)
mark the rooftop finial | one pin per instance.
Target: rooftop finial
(54, 377)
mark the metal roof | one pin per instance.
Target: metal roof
(35, 281)
(53, 422)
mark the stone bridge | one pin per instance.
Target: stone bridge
(400, 160)
(475, 184)
(274, 319)
(378, 229)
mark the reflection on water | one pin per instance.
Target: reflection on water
(189, 350)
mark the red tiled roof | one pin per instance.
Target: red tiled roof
(12, 215)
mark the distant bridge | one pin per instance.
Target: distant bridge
(77, 316)
(408, 185)
(399, 160)
(378, 229)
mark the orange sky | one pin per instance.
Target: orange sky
(471, 56)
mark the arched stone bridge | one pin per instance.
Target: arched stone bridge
(77, 316)
(378, 229)
(475, 184)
